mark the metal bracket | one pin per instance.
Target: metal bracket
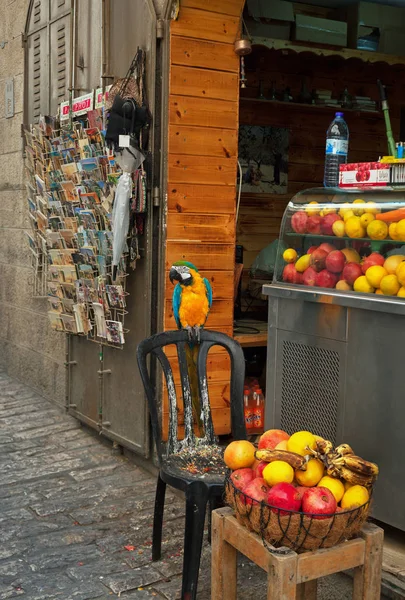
(156, 196)
(160, 29)
(105, 372)
(70, 362)
(72, 406)
(106, 424)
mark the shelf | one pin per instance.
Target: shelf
(321, 107)
(345, 53)
(335, 238)
(251, 340)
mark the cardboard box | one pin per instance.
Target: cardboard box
(271, 9)
(280, 30)
(363, 17)
(355, 175)
(320, 31)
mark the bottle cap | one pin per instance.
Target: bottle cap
(339, 114)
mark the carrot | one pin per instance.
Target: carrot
(391, 216)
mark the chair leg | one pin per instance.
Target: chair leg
(158, 519)
(196, 503)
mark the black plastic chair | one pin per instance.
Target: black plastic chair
(198, 490)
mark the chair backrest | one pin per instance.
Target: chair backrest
(153, 346)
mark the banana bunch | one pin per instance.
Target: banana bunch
(341, 462)
(296, 461)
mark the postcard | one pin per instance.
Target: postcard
(87, 219)
(69, 323)
(54, 240)
(55, 305)
(56, 321)
(70, 172)
(69, 274)
(69, 191)
(54, 273)
(42, 221)
(55, 257)
(69, 291)
(83, 323)
(86, 271)
(68, 304)
(55, 289)
(116, 296)
(99, 317)
(69, 238)
(71, 223)
(88, 253)
(102, 265)
(32, 244)
(115, 333)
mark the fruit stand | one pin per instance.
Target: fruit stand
(335, 361)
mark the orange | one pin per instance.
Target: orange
(278, 472)
(313, 474)
(239, 454)
(300, 441)
(334, 485)
(354, 497)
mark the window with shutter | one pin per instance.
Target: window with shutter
(47, 62)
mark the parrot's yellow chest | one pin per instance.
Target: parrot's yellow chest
(194, 306)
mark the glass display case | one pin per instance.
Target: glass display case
(344, 240)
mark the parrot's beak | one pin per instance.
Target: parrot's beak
(174, 275)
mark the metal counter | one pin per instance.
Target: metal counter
(336, 366)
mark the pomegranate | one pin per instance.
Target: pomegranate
(327, 247)
(258, 472)
(374, 259)
(285, 496)
(309, 276)
(311, 249)
(257, 491)
(326, 279)
(327, 222)
(318, 259)
(335, 261)
(319, 501)
(351, 271)
(314, 224)
(271, 438)
(299, 221)
(241, 477)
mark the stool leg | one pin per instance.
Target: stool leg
(307, 591)
(223, 561)
(367, 579)
(282, 577)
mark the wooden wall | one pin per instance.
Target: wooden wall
(203, 135)
(260, 214)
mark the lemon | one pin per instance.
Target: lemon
(375, 274)
(328, 211)
(366, 219)
(338, 228)
(290, 255)
(300, 441)
(400, 230)
(389, 285)
(358, 211)
(392, 263)
(371, 208)
(348, 215)
(379, 292)
(401, 293)
(334, 485)
(392, 231)
(355, 496)
(312, 208)
(278, 472)
(377, 230)
(345, 208)
(400, 273)
(303, 263)
(362, 285)
(354, 228)
(351, 255)
(313, 474)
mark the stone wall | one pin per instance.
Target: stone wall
(29, 349)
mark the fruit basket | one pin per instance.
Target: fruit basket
(298, 491)
(296, 530)
(347, 240)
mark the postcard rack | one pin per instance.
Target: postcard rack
(71, 183)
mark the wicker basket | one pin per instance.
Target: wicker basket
(295, 530)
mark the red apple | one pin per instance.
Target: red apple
(374, 259)
(241, 477)
(327, 247)
(271, 438)
(351, 271)
(311, 249)
(314, 224)
(260, 468)
(327, 222)
(326, 279)
(309, 276)
(299, 221)
(256, 490)
(318, 259)
(285, 496)
(319, 501)
(335, 261)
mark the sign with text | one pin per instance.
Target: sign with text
(99, 102)
(80, 106)
(9, 98)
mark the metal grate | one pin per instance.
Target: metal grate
(310, 389)
(61, 62)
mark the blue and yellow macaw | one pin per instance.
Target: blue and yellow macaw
(192, 300)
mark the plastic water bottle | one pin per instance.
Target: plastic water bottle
(337, 146)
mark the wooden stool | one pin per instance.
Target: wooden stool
(293, 576)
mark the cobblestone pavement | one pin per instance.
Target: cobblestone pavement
(76, 520)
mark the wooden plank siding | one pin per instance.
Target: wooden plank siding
(202, 162)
